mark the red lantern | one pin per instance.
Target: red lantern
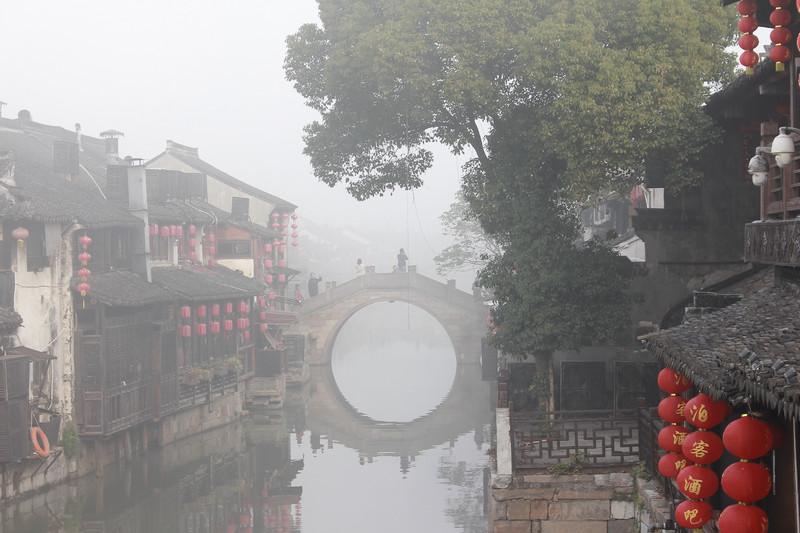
(267, 248)
(697, 482)
(84, 273)
(153, 230)
(268, 263)
(83, 288)
(192, 243)
(211, 237)
(747, 438)
(671, 409)
(294, 243)
(262, 327)
(692, 514)
(780, 36)
(294, 226)
(271, 295)
(294, 217)
(740, 518)
(201, 310)
(186, 311)
(746, 482)
(294, 235)
(673, 382)
(215, 309)
(242, 307)
(275, 215)
(671, 464)
(268, 278)
(702, 447)
(703, 412)
(200, 330)
(165, 231)
(84, 240)
(211, 262)
(246, 334)
(213, 326)
(228, 307)
(671, 437)
(192, 230)
(282, 262)
(186, 331)
(275, 226)
(84, 257)
(748, 24)
(281, 278)
(227, 325)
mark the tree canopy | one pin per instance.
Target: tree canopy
(614, 81)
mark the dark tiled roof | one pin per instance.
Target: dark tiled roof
(125, 289)
(731, 351)
(41, 195)
(9, 320)
(175, 212)
(201, 284)
(187, 156)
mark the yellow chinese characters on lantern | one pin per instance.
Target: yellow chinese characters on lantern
(698, 413)
(700, 448)
(692, 516)
(692, 485)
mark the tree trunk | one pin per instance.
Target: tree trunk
(544, 363)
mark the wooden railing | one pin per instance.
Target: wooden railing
(585, 438)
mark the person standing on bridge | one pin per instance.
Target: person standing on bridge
(402, 261)
(313, 285)
(360, 267)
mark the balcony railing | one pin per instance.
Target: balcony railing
(773, 242)
(588, 438)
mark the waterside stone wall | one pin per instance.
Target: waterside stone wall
(574, 503)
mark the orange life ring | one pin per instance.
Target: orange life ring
(40, 443)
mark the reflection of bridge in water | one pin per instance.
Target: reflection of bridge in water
(466, 406)
(461, 314)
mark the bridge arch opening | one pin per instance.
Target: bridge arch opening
(393, 361)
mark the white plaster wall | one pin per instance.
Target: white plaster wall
(44, 302)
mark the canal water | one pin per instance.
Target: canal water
(392, 437)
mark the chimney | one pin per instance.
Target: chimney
(1, 108)
(112, 144)
(137, 205)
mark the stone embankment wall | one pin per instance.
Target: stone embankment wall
(572, 503)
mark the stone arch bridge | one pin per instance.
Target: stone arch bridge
(461, 314)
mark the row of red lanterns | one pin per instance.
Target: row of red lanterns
(780, 36)
(84, 257)
(746, 437)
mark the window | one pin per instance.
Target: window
(234, 249)
(36, 248)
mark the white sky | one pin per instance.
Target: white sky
(201, 73)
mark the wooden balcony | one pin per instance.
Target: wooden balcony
(773, 242)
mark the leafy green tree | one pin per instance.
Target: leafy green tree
(614, 81)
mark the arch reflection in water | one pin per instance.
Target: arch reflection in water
(393, 362)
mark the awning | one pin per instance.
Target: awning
(281, 318)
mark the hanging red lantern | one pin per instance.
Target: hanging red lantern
(275, 226)
(673, 382)
(228, 308)
(294, 243)
(192, 230)
(211, 262)
(740, 518)
(20, 234)
(692, 514)
(275, 215)
(703, 412)
(746, 482)
(215, 309)
(262, 316)
(271, 295)
(211, 237)
(85, 241)
(153, 230)
(702, 447)
(294, 235)
(186, 331)
(246, 334)
(268, 263)
(671, 464)
(671, 437)
(83, 288)
(213, 326)
(268, 279)
(780, 36)
(281, 278)
(262, 328)
(268, 248)
(294, 217)
(748, 24)
(84, 273)
(200, 330)
(84, 258)
(671, 409)
(242, 307)
(282, 262)
(192, 243)
(186, 311)
(747, 438)
(697, 482)
(165, 231)
(227, 325)
(200, 311)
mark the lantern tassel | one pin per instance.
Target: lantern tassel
(779, 67)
